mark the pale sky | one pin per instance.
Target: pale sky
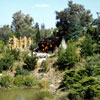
(43, 11)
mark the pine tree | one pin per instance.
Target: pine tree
(67, 59)
(87, 48)
(37, 33)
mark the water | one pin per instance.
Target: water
(63, 43)
(17, 94)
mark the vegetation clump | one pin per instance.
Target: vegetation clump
(68, 58)
(43, 95)
(6, 81)
(30, 62)
(6, 62)
(20, 71)
(80, 85)
(87, 47)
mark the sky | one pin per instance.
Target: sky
(42, 11)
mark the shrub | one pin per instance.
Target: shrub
(93, 65)
(15, 53)
(24, 55)
(30, 81)
(6, 81)
(19, 80)
(6, 62)
(44, 66)
(30, 62)
(67, 59)
(73, 76)
(79, 85)
(43, 95)
(1, 46)
(87, 47)
(20, 71)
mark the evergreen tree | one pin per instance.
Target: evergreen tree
(87, 48)
(72, 20)
(37, 33)
(67, 59)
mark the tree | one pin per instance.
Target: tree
(72, 20)
(5, 33)
(37, 33)
(87, 47)
(94, 31)
(22, 24)
(67, 59)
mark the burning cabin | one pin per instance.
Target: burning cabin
(49, 44)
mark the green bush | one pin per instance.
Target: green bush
(6, 81)
(19, 80)
(93, 65)
(1, 46)
(87, 47)
(24, 55)
(79, 85)
(20, 71)
(6, 62)
(15, 53)
(30, 62)
(43, 95)
(30, 81)
(73, 76)
(68, 59)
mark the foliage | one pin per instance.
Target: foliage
(6, 81)
(72, 20)
(14, 53)
(22, 24)
(44, 66)
(92, 31)
(20, 71)
(67, 59)
(93, 65)
(30, 81)
(79, 85)
(95, 32)
(71, 77)
(87, 47)
(60, 51)
(24, 55)
(46, 33)
(43, 95)
(5, 33)
(1, 46)
(6, 62)
(30, 62)
(87, 88)
(37, 33)
(62, 96)
(19, 80)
